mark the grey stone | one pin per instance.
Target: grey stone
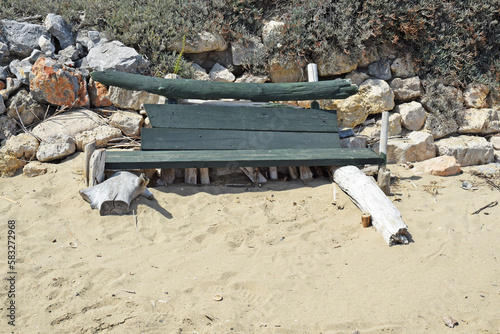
(3, 73)
(22, 37)
(406, 89)
(24, 106)
(2, 106)
(244, 52)
(380, 69)
(132, 99)
(403, 67)
(21, 69)
(70, 123)
(4, 51)
(202, 42)
(60, 29)
(46, 45)
(478, 121)
(221, 74)
(90, 38)
(129, 122)
(13, 85)
(71, 52)
(413, 115)
(8, 128)
(357, 78)
(353, 142)
(34, 56)
(468, 150)
(55, 147)
(199, 73)
(109, 56)
(419, 146)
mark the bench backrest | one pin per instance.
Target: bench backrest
(205, 127)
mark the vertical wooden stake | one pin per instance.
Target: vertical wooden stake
(384, 175)
(167, 175)
(204, 178)
(89, 150)
(293, 173)
(96, 170)
(190, 175)
(273, 173)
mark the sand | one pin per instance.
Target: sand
(283, 258)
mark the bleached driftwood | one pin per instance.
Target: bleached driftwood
(369, 198)
(254, 174)
(88, 150)
(96, 168)
(114, 195)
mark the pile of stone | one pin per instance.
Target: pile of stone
(45, 67)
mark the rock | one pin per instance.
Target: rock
(353, 142)
(22, 37)
(55, 147)
(350, 111)
(4, 50)
(380, 69)
(475, 96)
(115, 56)
(394, 124)
(413, 115)
(98, 94)
(3, 73)
(21, 69)
(8, 128)
(336, 63)
(468, 150)
(24, 106)
(70, 53)
(23, 146)
(9, 163)
(285, 72)
(36, 168)
(129, 122)
(271, 30)
(13, 85)
(132, 99)
(403, 67)
(90, 38)
(46, 45)
(442, 102)
(248, 78)
(69, 123)
(60, 29)
(440, 166)
(100, 135)
(34, 56)
(221, 74)
(478, 121)
(199, 73)
(244, 52)
(357, 78)
(2, 87)
(419, 146)
(406, 89)
(495, 141)
(54, 83)
(2, 106)
(203, 42)
(377, 96)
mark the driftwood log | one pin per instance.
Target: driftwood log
(114, 195)
(368, 197)
(258, 92)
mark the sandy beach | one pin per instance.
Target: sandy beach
(280, 258)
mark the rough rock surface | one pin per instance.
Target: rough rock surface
(70, 123)
(100, 135)
(203, 42)
(441, 166)
(23, 105)
(380, 69)
(243, 52)
(248, 78)
(406, 89)
(21, 69)
(98, 94)
(419, 146)
(90, 38)
(22, 38)
(115, 56)
(475, 96)
(337, 63)
(271, 30)
(55, 147)
(7, 128)
(289, 72)
(221, 74)
(402, 67)
(495, 141)
(36, 168)
(413, 115)
(468, 150)
(23, 146)
(54, 83)
(478, 121)
(357, 78)
(60, 29)
(199, 72)
(129, 122)
(2, 106)
(132, 99)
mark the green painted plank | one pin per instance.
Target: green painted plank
(241, 118)
(201, 139)
(206, 90)
(236, 158)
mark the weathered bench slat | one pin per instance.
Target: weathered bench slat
(259, 92)
(241, 118)
(202, 139)
(237, 158)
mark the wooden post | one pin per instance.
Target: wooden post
(273, 173)
(204, 177)
(96, 169)
(254, 174)
(167, 175)
(384, 174)
(89, 150)
(190, 175)
(293, 173)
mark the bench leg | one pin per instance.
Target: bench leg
(293, 173)
(273, 173)
(167, 175)
(305, 173)
(190, 175)
(204, 178)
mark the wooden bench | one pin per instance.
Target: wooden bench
(205, 136)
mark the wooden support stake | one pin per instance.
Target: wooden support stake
(191, 175)
(384, 180)
(370, 199)
(254, 174)
(96, 168)
(293, 173)
(88, 150)
(167, 175)
(273, 173)
(204, 177)
(384, 175)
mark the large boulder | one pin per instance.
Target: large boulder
(90, 38)
(55, 147)
(335, 63)
(60, 29)
(285, 72)
(115, 56)
(24, 108)
(419, 146)
(70, 123)
(54, 83)
(468, 150)
(406, 89)
(380, 69)
(21, 37)
(132, 99)
(478, 121)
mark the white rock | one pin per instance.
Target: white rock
(220, 73)
(475, 96)
(413, 115)
(271, 28)
(406, 89)
(199, 72)
(115, 56)
(100, 135)
(478, 121)
(248, 78)
(129, 122)
(22, 146)
(468, 150)
(403, 67)
(132, 99)
(203, 42)
(419, 146)
(495, 141)
(46, 45)
(55, 147)
(37, 168)
(377, 96)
